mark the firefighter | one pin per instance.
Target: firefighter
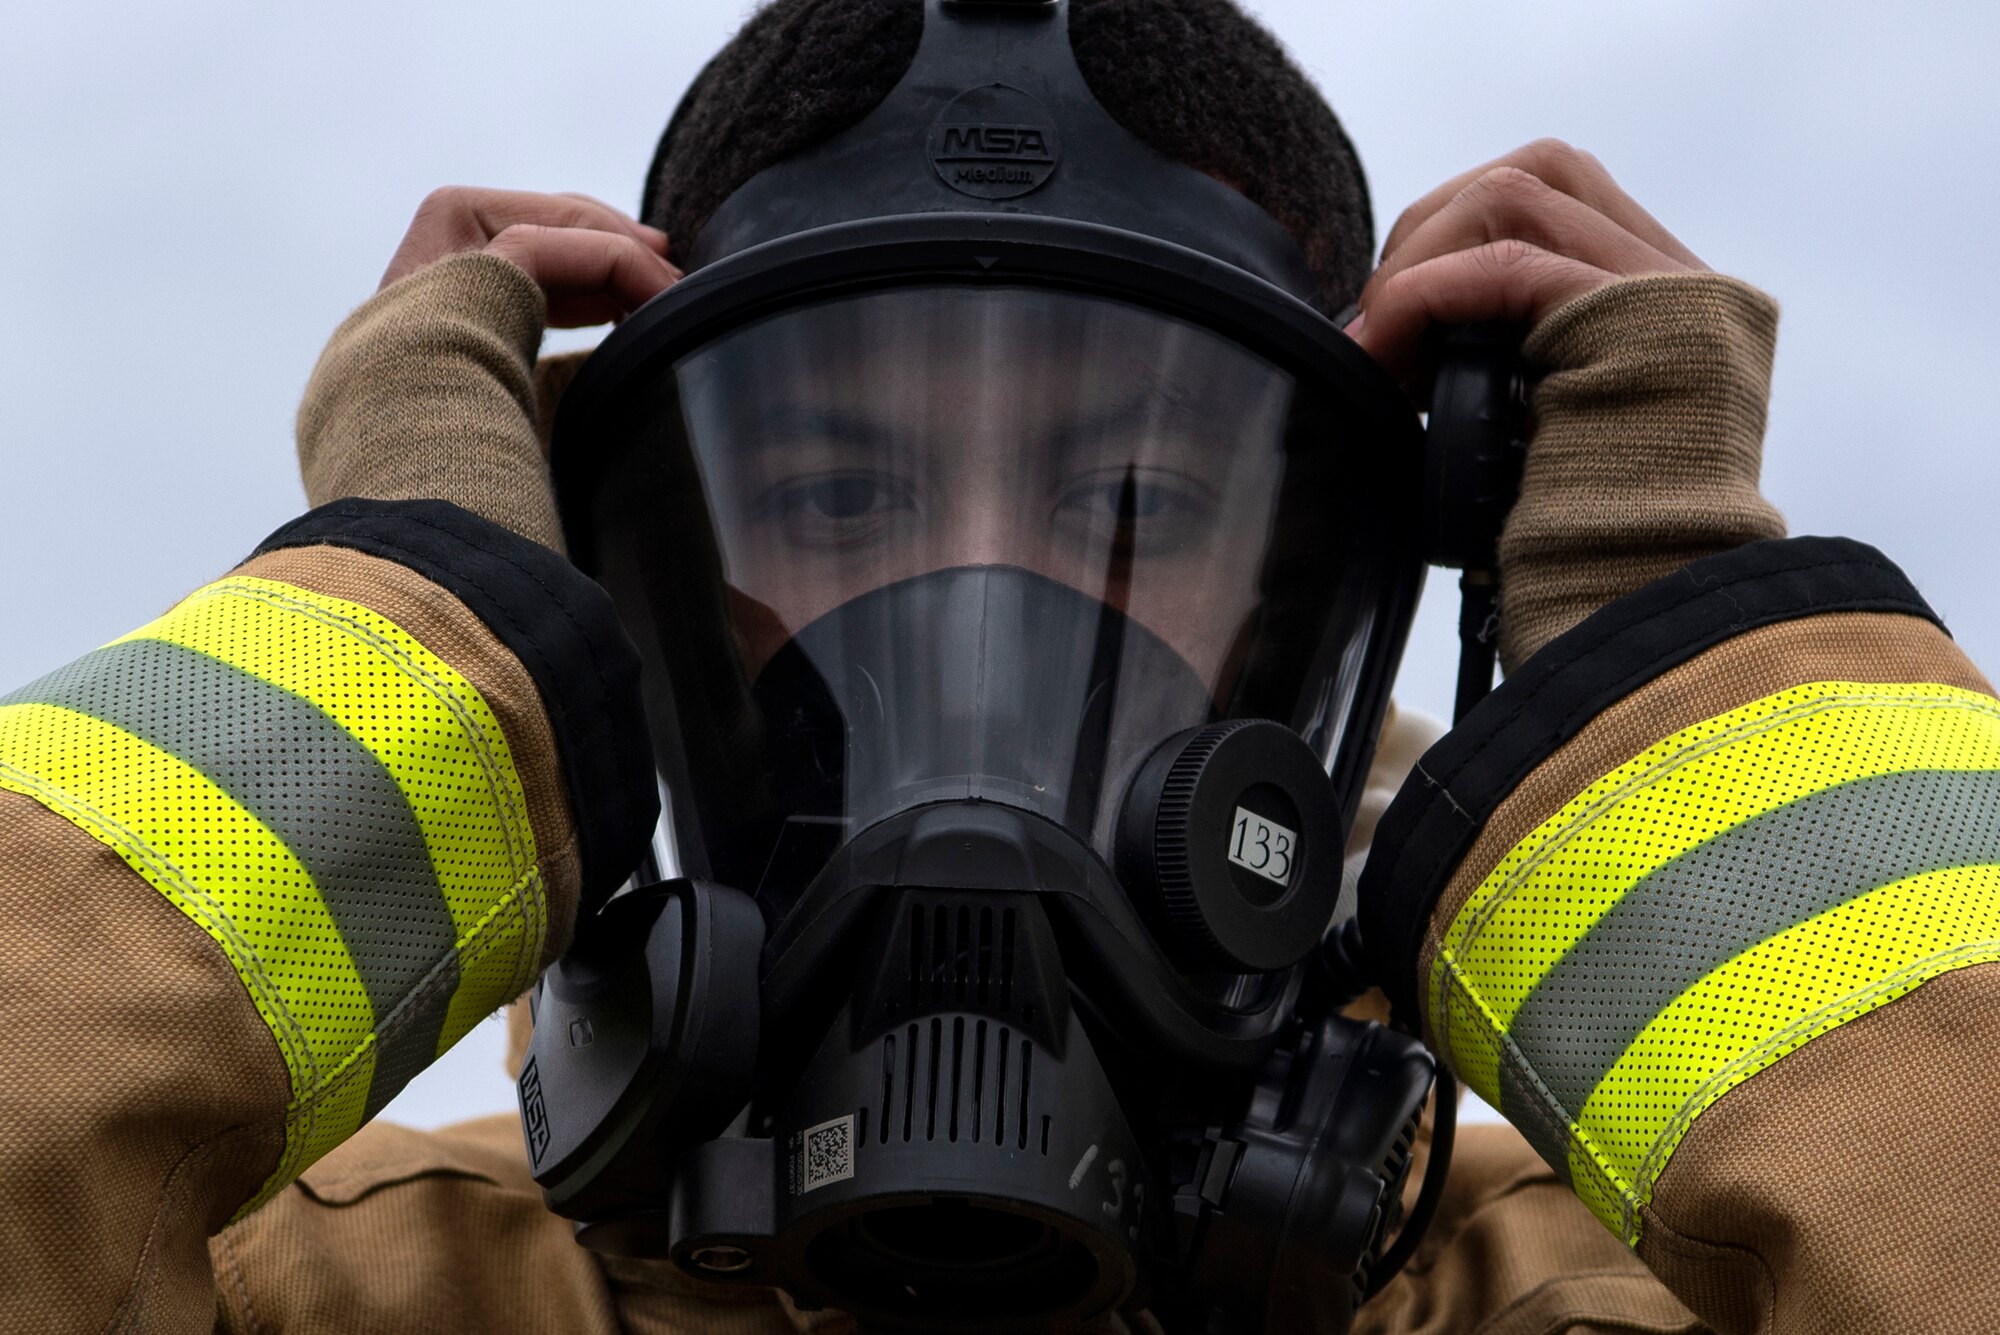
(1700, 898)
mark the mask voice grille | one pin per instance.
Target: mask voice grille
(983, 1174)
(963, 954)
(950, 1079)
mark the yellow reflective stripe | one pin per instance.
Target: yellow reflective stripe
(1554, 885)
(1466, 1031)
(222, 868)
(391, 791)
(1577, 990)
(427, 725)
(1770, 1000)
(316, 1128)
(490, 967)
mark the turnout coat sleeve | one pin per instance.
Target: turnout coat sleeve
(1706, 899)
(263, 859)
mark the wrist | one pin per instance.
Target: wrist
(1649, 436)
(427, 392)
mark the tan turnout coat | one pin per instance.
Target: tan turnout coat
(1844, 1190)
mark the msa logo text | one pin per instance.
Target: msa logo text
(985, 143)
(994, 142)
(534, 1113)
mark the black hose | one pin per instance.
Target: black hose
(1478, 624)
(1478, 639)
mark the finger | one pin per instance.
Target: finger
(1570, 170)
(457, 217)
(1508, 203)
(1503, 280)
(651, 235)
(588, 275)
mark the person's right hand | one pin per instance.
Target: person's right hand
(1511, 240)
(591, 261)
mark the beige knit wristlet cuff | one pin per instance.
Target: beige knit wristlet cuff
(427, 391)
(1649, 435)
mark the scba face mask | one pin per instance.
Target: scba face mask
(1020, 565)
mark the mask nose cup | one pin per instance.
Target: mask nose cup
(985, 682)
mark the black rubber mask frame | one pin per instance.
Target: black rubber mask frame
(993, 116)
(1104, 215)
(1319, 660)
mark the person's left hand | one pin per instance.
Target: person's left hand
(593, 263)
(1511, 240)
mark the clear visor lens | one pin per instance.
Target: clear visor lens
(941, 542)
(854, 444)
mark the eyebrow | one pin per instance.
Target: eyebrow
(1074, 437)
(778, 424)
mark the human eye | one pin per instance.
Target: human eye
(838, 508)
(1155, 510)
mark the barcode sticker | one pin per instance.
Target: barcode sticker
(823, 1154)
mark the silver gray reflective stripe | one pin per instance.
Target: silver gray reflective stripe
(1524, 1103)
(1715, 901)
(315, 787)
(407, 1041)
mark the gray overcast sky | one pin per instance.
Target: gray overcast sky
(197, 193)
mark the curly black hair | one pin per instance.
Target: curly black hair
(1199, 80)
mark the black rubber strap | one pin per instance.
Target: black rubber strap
(562, 627)
(1465, 777)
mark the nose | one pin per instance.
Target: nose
(983, 531)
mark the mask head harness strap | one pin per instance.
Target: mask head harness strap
(994, 117)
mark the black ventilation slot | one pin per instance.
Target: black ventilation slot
(1027, 1057)
(957, 1064)
(978, 1074)
(1000, 1090)
(930, 1120)
(909, 1082)
(888, 1081)
(953, 1077)
(960, 955)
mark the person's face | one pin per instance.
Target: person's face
(865, 441)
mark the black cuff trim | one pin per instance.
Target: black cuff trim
(562, 627)
(1465, 777)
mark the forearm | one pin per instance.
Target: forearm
(429, 389)
(1701, 898)
(268, 856)
(1649, 404)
